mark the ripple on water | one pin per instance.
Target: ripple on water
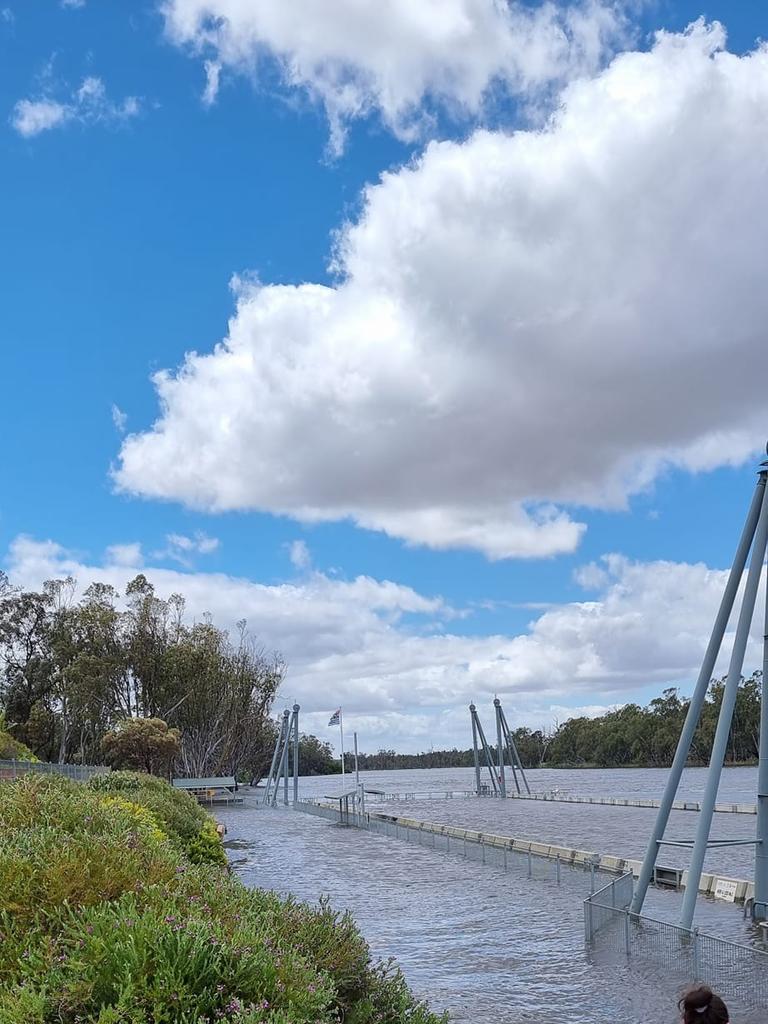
(469, 937)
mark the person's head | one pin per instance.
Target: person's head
(701, 1006)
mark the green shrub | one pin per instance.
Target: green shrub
(189, 828)
(12, 750)
(63, 845)
(105, 918)
(142, 960)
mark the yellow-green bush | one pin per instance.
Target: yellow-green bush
(12, 750)
(188, 827)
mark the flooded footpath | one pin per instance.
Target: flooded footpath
(471, 938)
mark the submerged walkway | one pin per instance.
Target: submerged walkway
(504, 849)
(564, 798)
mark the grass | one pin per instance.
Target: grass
(116, 908)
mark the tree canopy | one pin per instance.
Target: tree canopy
(74, 670)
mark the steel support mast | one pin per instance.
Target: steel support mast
(753, 536)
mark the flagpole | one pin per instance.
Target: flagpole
(341, 733)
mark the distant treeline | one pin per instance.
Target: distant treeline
(631, 736)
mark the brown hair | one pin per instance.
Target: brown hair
(701, 1006)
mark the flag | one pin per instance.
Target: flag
(335, 717)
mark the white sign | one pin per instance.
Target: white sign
(726, 890)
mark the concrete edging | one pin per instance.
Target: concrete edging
(569, 856)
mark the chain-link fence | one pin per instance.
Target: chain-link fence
(10, 770)
(736, 970)
(532, 859)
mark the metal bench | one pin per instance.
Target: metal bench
(220, 789)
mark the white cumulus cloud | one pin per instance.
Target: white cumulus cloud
(128, 556)
(31, 117)
(523, 324)
(355, 56)
(376, 648)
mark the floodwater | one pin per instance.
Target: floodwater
(471, 938)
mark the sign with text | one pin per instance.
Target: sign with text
(725, 889)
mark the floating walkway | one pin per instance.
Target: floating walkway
(563, 798)
(504, 851)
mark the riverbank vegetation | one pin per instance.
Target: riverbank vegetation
(630, 736)
(115, 908)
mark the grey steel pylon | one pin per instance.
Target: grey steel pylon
(504, 742)
(754, 536)
(287, 743)
(514, 758)
(477, 731)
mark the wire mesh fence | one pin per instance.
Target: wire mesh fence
(11, 769)
(493, 850)
(736, 970)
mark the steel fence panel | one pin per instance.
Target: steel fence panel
(11, 769)
(738, 971)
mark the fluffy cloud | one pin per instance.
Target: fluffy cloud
(386, 653)
(298, 552)
(31, 117)
(522, 322)
(181, 548)
(88, 104)
(128, 556)
(354, 56)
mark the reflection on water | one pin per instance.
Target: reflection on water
(470, 937)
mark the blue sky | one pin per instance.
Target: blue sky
(126, 219)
